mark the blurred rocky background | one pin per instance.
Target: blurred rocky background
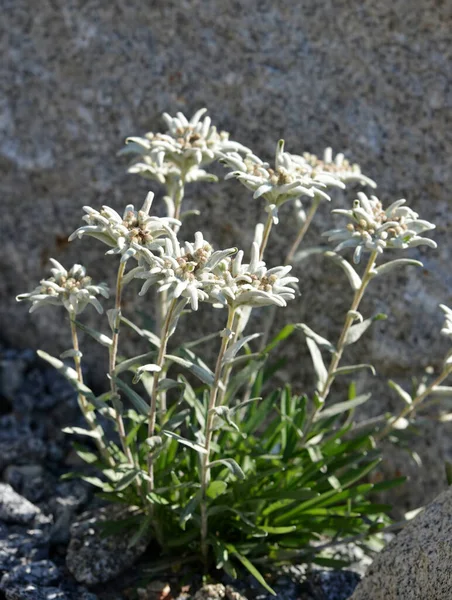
(371, 79)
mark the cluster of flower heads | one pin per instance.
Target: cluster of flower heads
(198, 273)
(374, 228)
(126, 234)
(292, 176)
(73, 289)
(186, 146)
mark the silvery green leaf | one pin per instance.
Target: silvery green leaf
(356, 331)
(244, 358)
(401, 392)
(317, 361)
(192, 213)
(341, 407)
(71, 354)
(99, 337)
(318, 339)
(113, 315)
(355, 315)
(154, 442)
(185, 442)
(176, 315)
(353, 277)
(131, 362)
(224, 412)
(204, 374)
(138, 403)
(244, 403)
(127, 479)
(190, 508)
(144, 333)
(353, 368)
(302, 255)
(150, 368)
(442, 391)
(80, 431)
(236, 347)
(231, 464)
(393, 264)
(69, 373)
(201, 340)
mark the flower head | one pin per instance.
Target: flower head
(126, 234)
(183, 270)
(374, 228)
(337, 167)
(252, 285)
(185, 145)
(73, 289)
(291, 177)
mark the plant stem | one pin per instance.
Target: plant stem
(152, 416)
(304, 228)
(409, 408)
(323, 393)
(205, 460)
(88, 414)
(112, 362)
(265, 235)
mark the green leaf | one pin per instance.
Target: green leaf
(204, 374)
(231, 464)
(139, 404)
(394, 264)
(400, 391)
(69, 373)
(237, 346)
(142, 531)
(99, 337)
(185, 442)
(282, 335)
(190, 508)
(353, 277)
(278, 530)
(81, 431)
(127, 479)
(132, 362)
(317, 361)
(341, 407)
(144, 333)
(216, 488)
(356, 331)
(352, 369)
(149, 368)
(250, 567)
(318, 339)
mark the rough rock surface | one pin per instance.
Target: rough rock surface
(95, 558)
(371, 80)
(415, 565)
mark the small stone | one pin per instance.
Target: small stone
(33, 592)
(212, 591)
(17, 544)
(43, 572)
(15, 508)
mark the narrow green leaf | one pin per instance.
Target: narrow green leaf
(126, 480)
(352, 369)
(318, 339)
(99, 337)
(353, 277)
(237, 346)
(142, 531)
(231, 464)
(190, 508)
(81, 431)
(216, 488)
(204, 374)
(144, 333)
(69, 373)
(400, 391)
(356, 331)
(185, 442)
(132, 362)
(250, 567)
(139, 404)
(317, 361)
(394, 264)
(341, 407)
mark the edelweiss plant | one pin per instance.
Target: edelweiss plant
(229, 469)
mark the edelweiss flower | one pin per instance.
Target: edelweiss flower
(373, 228)
(166, 173)
(447, 327)
(338, 168)
(187, 143)
(73, 289)
(291, 177)
(126, 234)
(252, 284)
(185, 271)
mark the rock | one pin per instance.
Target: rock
(15, 508)
(415, 565)
(94, 558)
(20, 544)
(41, 573)
(332, 584)
(33, 592)
(67, 500)
(31, 481)
(211, 591)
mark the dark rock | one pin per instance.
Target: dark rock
(33, 592)
(44, 573)
(15, 508)
(31, 481)
(95, 558)
(19, 544)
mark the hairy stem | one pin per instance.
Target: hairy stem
(266, 235)
(324, 391)
(88, 414)
(152, 416)
(112, 362)
(205, 460)
(303, 229)
(409, 408)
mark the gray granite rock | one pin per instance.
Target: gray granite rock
(33, 592)
(415, 565)
(19, 545)
(372, 80)
(95, 558)
(42, 573)
(15, 508)
(31, 481)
